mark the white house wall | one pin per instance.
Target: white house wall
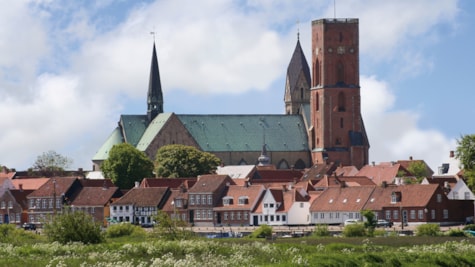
(334, 217)
(299, 213)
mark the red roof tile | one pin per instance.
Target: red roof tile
(151, 196)
(29, 183)
(94, 196)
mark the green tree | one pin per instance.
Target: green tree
(51, 163)
(174, 161)
(465, 152)
(419, 170)
(126, 165)
(370, 222)
(353, 230)
(264, 231)
(73, 227)
(170, 229)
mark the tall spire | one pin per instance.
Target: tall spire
(155, 96)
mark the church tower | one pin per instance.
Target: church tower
(297, 85)
(154, 96)
(337, 133)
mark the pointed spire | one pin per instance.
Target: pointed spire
(263, 159)
(155, 96)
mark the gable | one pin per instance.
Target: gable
(221, 133)
(133, 127)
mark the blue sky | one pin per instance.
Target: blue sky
(69, 68)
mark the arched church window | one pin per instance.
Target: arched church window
(299, 164)
(301, 93)
(341, 102)
(317, 102)
(283, 164)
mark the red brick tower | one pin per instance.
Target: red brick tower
(337, 133)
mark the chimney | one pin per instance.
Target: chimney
(21, 187)
(372, 163)
(384, 184)
(410, 157)
(137, 184)
(452, 154)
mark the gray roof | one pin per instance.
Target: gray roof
(114, 139)
(298, 64)
(152, 130)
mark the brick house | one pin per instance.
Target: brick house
(237, 204)
(14, 206)
(204, 196)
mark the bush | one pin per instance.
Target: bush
(124, 229)
(470, 227)
(456, 232)
(321, 230)
(73, 227)
(263, 231)
(12, 235)
(430, 229)
(353, 230)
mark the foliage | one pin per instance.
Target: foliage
(465, 152)
(263, 231)
(429, 229)
(12, 235)
(321, 230)
(455, 232)
(470, 227)
(419, 170)
(124, 229)
(51, 163)
(353, 230)
(74, 226)
(370, 222)
(174, 161)
(170, 229)
(126, 165)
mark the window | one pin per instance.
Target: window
(388, 215)
(210, 214)
(271, 205)
(198, 200)
(225, 216)
(331, 215)
(420, 214)
(93, 210)
(439, 198)
(412, 214)
(183, 217)
(467, 195)
(239, 215)
(284, 218)
(114, 208)
(393, 198)
(455, 194)
(121, 208)
(357, 215)
(265, 205)
(316, 102)
(337, 215)
(32, 203)
(50, 203)
(322, 215)
(10, 204)
(126, 208)
(192, 200)
(350, 215)
(395, 214)
(277, 218)
(178, 203)
(3, 205)
(232, 215)
(301, 205)
(340, 79)
(43, 203)
(272, 218)
(203, 199)
(210, 200)
(198, 214)
(432, 214)
(242, 200)
(245, 216)
(446, 214)
(266, 218)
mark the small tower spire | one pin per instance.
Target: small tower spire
(154, 96)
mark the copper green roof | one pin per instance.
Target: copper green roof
(152, 130)
(114, 139)
(219, 133)
(133, 127)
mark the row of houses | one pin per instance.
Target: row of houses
(247, 195)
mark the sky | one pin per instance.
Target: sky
(68, 69)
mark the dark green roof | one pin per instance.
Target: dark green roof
(114, 139)
(134, 127)
(219, 133)
(152, 130)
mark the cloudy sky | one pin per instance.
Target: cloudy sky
(68, 69)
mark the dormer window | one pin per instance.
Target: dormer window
(227, 201)
(243, 200)
(395, 197)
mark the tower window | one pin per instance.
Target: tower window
(338, 141)
(340, 73)
(341, 102)
(341, 122)
(317, 102)
(301, 93)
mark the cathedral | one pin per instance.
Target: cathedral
(322, 120)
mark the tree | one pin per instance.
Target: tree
(73, 227)
(126, 165)
(370, 222)
(465, 152)
(51, 163)
(174, 161)
(170, 229)
(418, 169)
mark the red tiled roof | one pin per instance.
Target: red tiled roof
(210, 183)
(96, 182)
(406, 163)
(20, 197)
(94, 196)
(342, 199)
(29, 183)
(174, 194)
(317, 171)
(383, 172)
(58, 185)
(168, 182)
(279, 175)
(441, 180)
(235, 192)
(151, 196)
(413, 195)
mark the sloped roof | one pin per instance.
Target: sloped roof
(133, 127)
(383, 172)
(20, 197)
(279, 175)
(407, 163)
(96, 182)
(152, 130)
(412, 195)
(342, 199)
(138, 196)
(441, 180)
(29, 183)
(5, 173)
(114, 139)
(346, 171)
(237, 171)
(318, 171)
(252, 193)
(210, 183)
(94, 196)
(168, 182)
(220, 133)
(55, 185)
(174, 194)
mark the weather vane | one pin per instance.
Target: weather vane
(153, 34)
(298, 29)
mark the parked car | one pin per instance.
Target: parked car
(29, 226)
(384, 223)
(350, 221)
